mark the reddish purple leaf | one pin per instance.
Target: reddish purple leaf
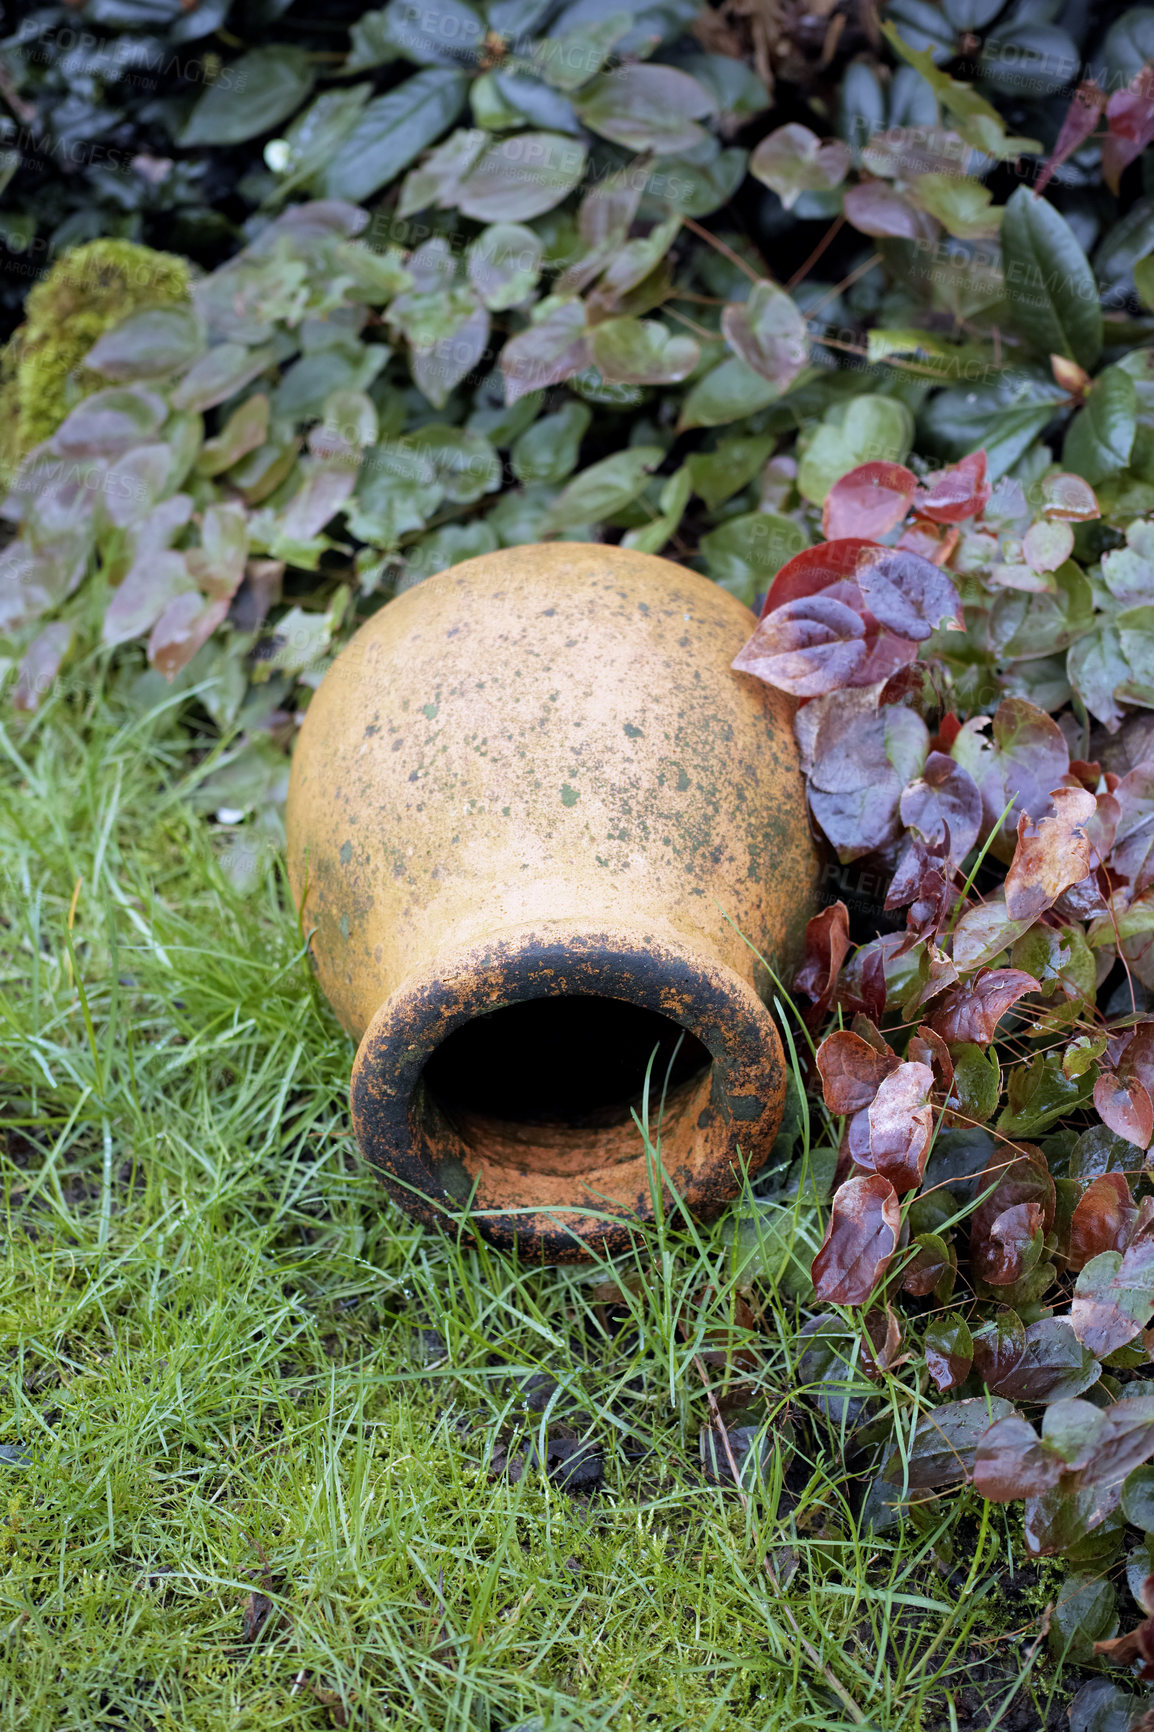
(865, 1220)
(907, 593)
(972, 1011)
(1132, 856)
(1082, 117)
(869, 501)
(1053, 1364)
(826, 947)
(1125, 1441)
(998, 1349)
(41, 664)
(1052, 854)
(186, 623)
(1011, 1462)
(877, 209)
(806, 648)
(926, 1046)
(1130, 127)
(943, 804)
(956, 493)
(900, 1123)
(930, 1265)
(1103, 1219)
(851, 1070)
(1023, 1180)
(817, 569)
(1012, 1246)
(1125, 1105)
(944, 1445)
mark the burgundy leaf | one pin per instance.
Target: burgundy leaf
(1132, 856)
(999, 1346)
(972, 1010)
(933, 541)
(931, 1262)
(869, 501)
(900, 1123)
(1113, 1298)
(1012, 1247)
(186, 623)
(944, 805)
(865, 1219)
(1082, 117)
(1053, 1364)
(1130, 127)
(1062, 1517)
(1025, 1179)
(826, 947)
(1125, 1105)
(1051, 854)
(851, 1070)
(815, 569)
(926, 1046)
(1103, 1219)
(877, 209)
(1125, 1441)
(1024, 757)
(41, 664)
(1011, 1462)
(956, 493)
(808, 647)
(910, 595)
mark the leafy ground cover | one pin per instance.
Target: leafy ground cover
(271, 1456)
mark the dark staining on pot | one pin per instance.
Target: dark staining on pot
(585, 844)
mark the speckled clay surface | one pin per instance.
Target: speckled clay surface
(536, 775)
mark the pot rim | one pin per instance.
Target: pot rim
(724, 1122)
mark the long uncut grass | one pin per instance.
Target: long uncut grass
(255, 1423)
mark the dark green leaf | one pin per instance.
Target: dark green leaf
(392, 131)
(1053, 297)
(605, 487)
(1101, 436)
(251, 96)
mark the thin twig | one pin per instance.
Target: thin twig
(726, 251)
(684, 319)
(803, 271)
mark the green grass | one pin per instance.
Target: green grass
(233, 1369)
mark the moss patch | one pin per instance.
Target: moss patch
(87, 292)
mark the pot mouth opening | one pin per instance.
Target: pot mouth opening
(575, 1062)
(504, 1077)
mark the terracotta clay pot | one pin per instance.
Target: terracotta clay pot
(534, 819)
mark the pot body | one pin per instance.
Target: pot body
(539, 830)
